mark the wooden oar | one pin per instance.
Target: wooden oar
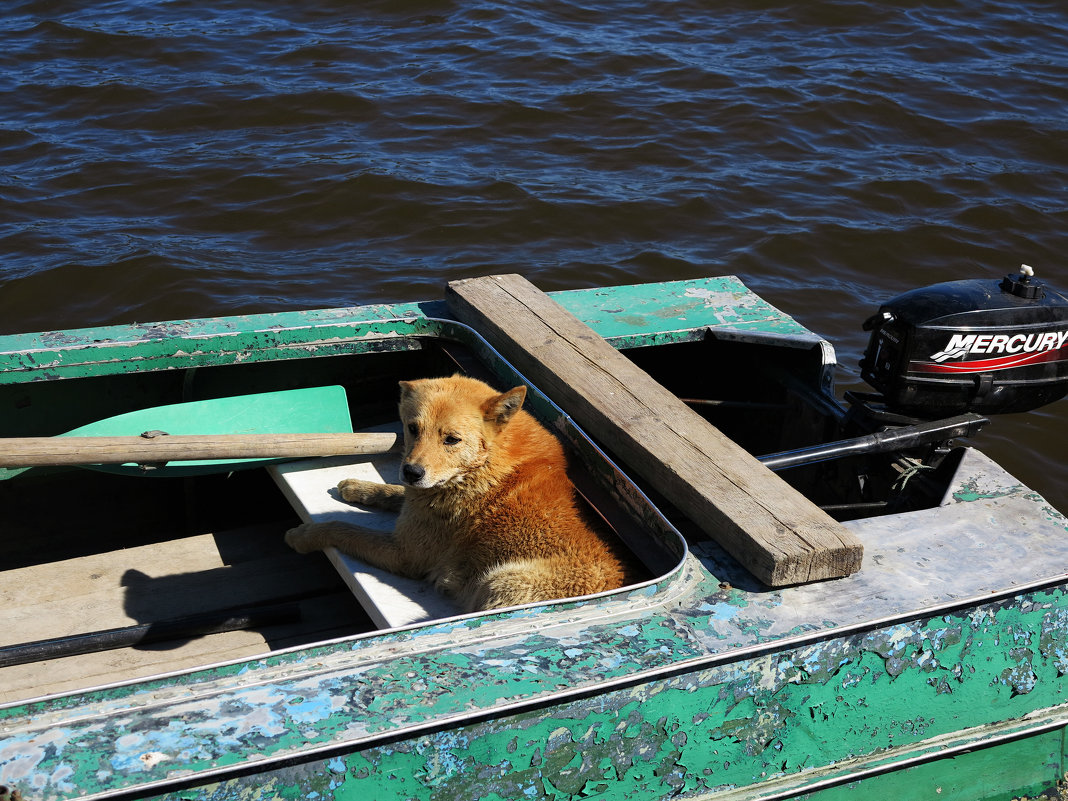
(292, 412)
(157, 448)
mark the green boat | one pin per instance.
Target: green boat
(160, 641)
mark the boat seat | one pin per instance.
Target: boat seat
(311, 487)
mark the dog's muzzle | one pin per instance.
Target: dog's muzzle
(412, 473)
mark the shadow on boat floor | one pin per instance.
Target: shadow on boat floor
(141, 574)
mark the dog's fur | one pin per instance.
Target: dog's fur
(487, 512)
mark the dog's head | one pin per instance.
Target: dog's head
(450, 425)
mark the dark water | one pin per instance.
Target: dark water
(169, 159)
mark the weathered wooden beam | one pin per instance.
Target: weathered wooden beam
(773, 530)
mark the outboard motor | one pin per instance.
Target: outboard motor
(978, 345)
(940, 358)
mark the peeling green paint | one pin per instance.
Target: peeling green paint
(732, 724)
(720, 727)
(697, 685)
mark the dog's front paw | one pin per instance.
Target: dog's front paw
(357, 490)
(304, 538)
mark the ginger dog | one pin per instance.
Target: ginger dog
(487, 512)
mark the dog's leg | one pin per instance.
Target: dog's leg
(373, 547)
(370, 493)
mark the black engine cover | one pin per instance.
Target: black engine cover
(977, 345)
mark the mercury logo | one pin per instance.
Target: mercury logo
(1016, 350)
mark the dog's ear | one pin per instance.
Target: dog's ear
(500, 408)
(406, 388)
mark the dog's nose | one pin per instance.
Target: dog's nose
(413, 472)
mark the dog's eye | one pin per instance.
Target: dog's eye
(413, 429)
(452, 439)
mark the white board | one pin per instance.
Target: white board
(311, 487)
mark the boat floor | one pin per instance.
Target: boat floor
(247, 567)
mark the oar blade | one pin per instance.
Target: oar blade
(315, 410)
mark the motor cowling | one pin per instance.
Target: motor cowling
(976, 345)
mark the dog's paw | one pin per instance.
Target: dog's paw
(357, 490)
(303, 538)
(446, 581)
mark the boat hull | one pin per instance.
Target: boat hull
(939, 670)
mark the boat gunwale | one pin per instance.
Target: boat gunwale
(31, 357)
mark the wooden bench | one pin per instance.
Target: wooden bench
(771, 528)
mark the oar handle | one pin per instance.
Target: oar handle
(157, 448)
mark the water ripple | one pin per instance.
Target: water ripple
(170, 159)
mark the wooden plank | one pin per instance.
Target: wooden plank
(139, 585)
(773, 530)
(389, 599)
(322, 618)
(200, 573)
